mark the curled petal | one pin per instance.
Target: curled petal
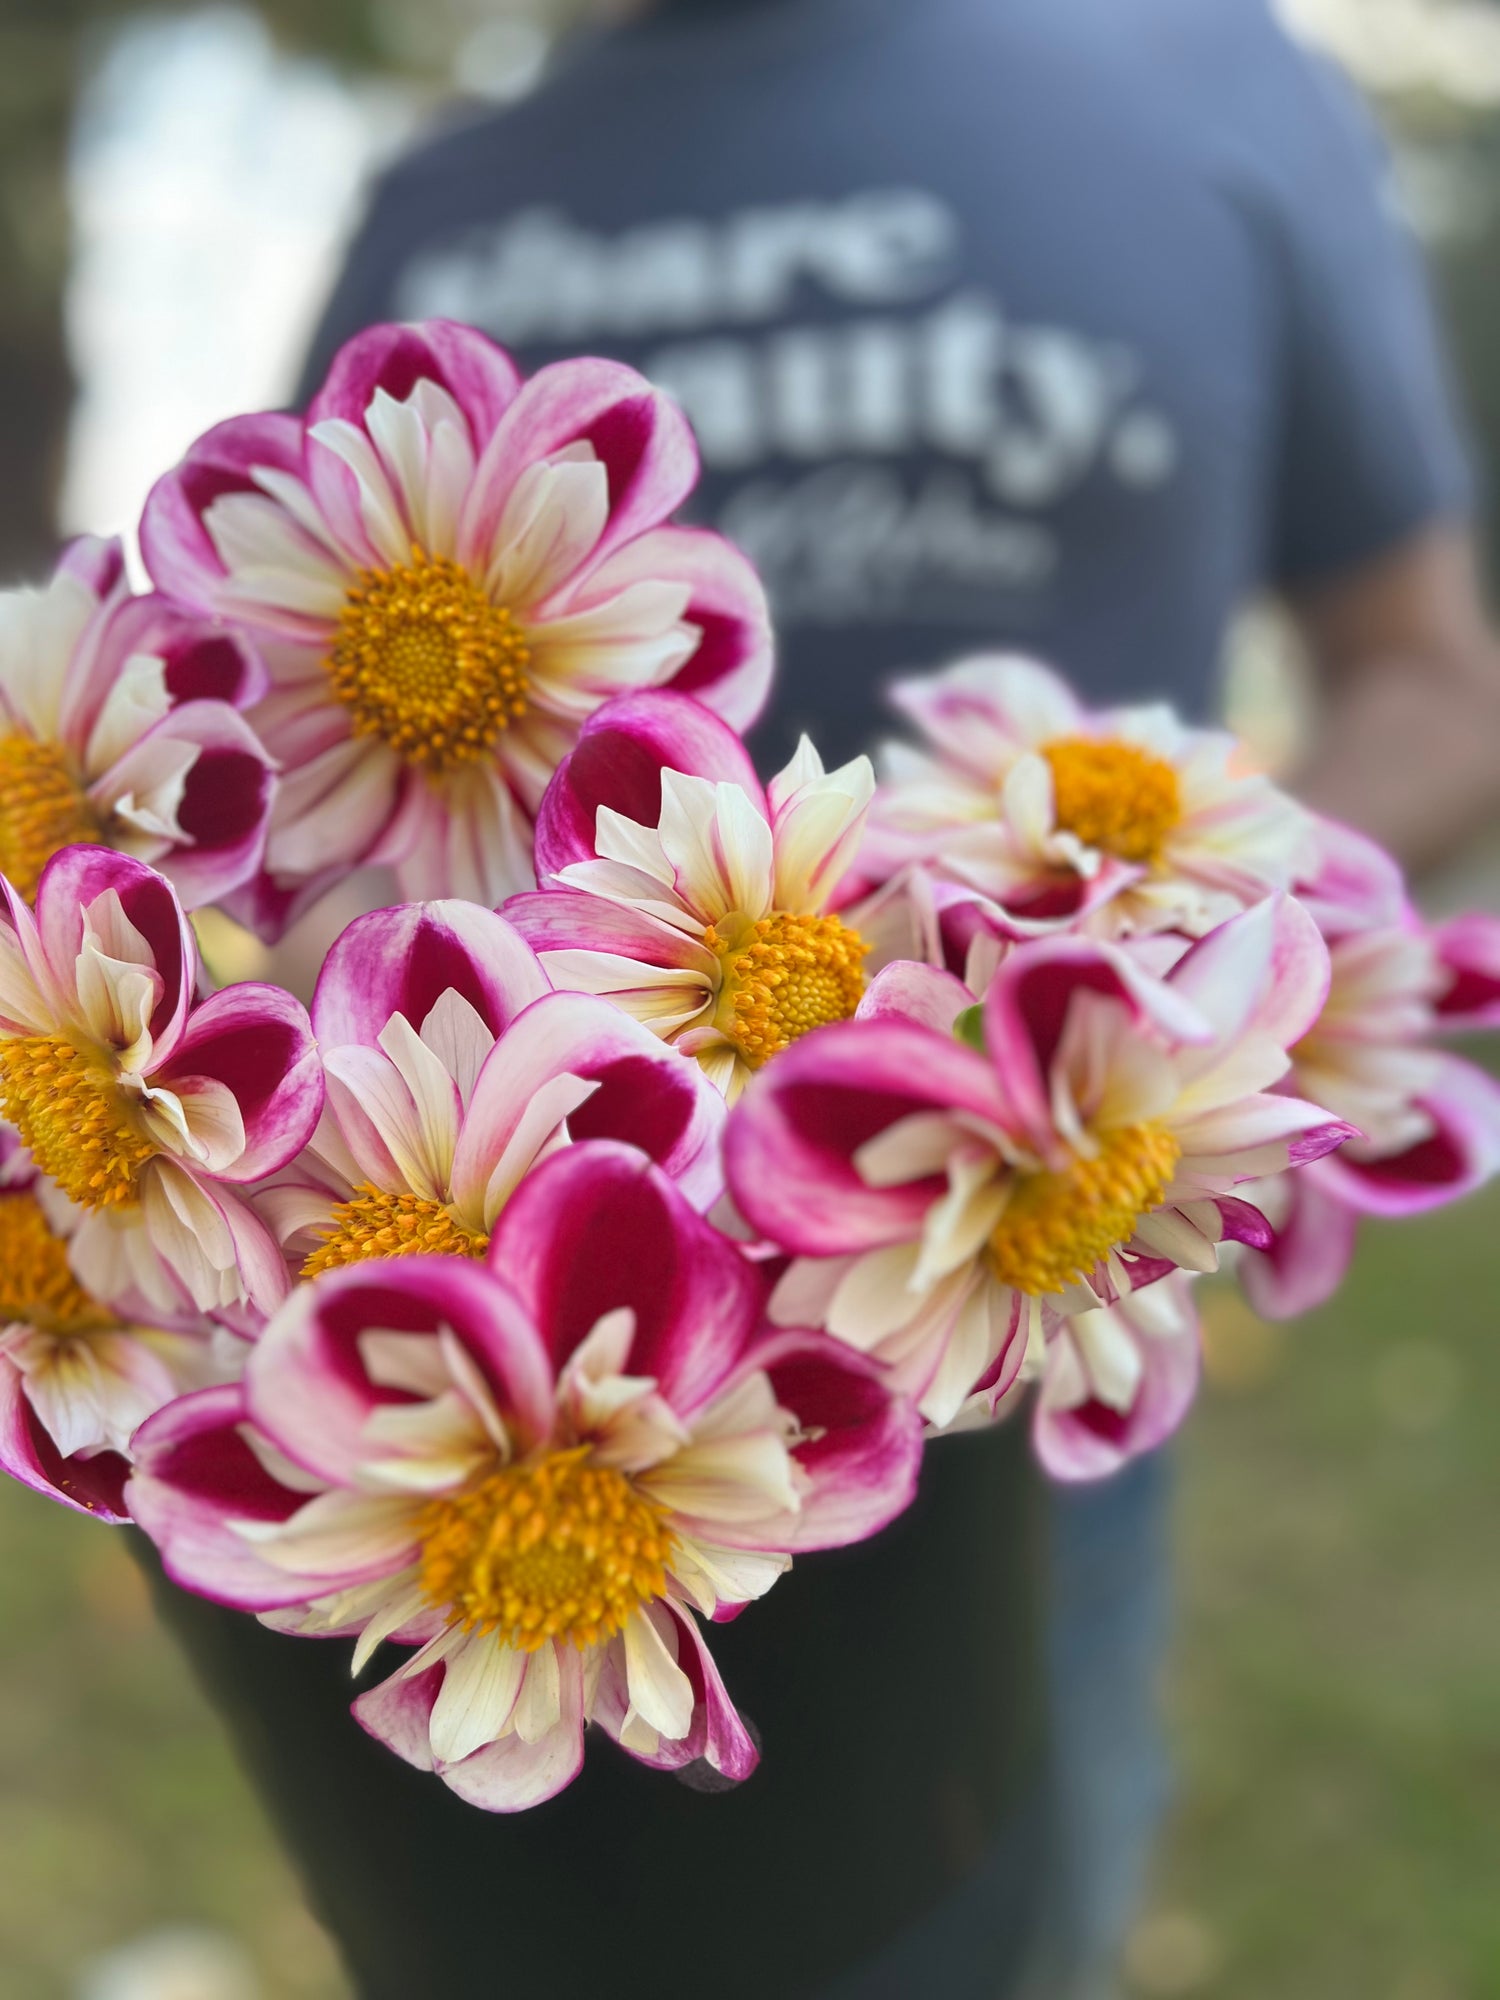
(715, 1736)
(177, 547)
(90, 1484)
(1091, 1438)
(514, 1774)
(1461, 1152)
(196, 658)
(1350, 882)
(729, 669)
(1266, 970)
(1027, 1008)
(78, 877)
(224, 809)
(306, 1381)
(196, 1476)
(401, 961)
(621, 752)
(861, 1447)
(1468, 950)
(479, 376)
(257, 1042)
(97, 562)
(597, 1228)
(984, 710)
(640, 437)
(1310, 1250)
(645, 1094)
(792, 1138)
(398, 1713)
(908, 991)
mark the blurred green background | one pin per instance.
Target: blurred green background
(1336, 1688)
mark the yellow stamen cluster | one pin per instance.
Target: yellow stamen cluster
(1114, 796)
(427, 663)
(37, 1285)
(783, 976)
(75, 1119)
(1057, 1226)
(560, 1549)
(375, 1223)
(42, 808)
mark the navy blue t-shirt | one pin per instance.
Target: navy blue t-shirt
(1060, 324)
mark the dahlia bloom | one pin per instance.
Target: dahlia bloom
(119, 724)
(447, 572)
(147, 1108)
(948, 1197)
(536, 1473)
(77, 1375)
(697, 901)
(452, 1068)
(1122, 820)
(1428, 1122)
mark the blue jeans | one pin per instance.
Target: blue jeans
(1095, 1824)
(1110, 1611)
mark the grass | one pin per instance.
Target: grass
(1336, 1692)
(121, 1810)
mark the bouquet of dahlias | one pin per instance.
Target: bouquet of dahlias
(637, 1202)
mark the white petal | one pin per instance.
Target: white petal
(456, 1033)
(118, 984)
(337, 1532)
(719, 846)
(138, 698)
(711, 1575)
(402, 1602)
(481, 1680)
(660, 1692)
(544, 1113)
(538, 1707)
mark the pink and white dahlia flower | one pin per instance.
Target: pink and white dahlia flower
(447, 571)
(77, 1375)
(452, 1068)
(695, 899)
(1120, 820)
(149, 1109)
(119, 724)
(1428, 1122)
(946, 1204)
(539, 1474)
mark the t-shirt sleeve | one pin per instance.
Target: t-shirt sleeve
(1370, 448)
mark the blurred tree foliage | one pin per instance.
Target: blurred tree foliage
(1467, 263)
(44, 52)
(1448, 159)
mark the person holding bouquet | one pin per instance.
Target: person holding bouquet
(1060, 328)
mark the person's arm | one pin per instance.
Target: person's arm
(1370, 492)
(1408, 742)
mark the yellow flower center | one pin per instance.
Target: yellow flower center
(560, 1549)
(42, 808)
(37, 1285)
(75, 1119)
(783, 976)
(427, 663)
(1114, 796)
(374, 1223)
(1057, 1226)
